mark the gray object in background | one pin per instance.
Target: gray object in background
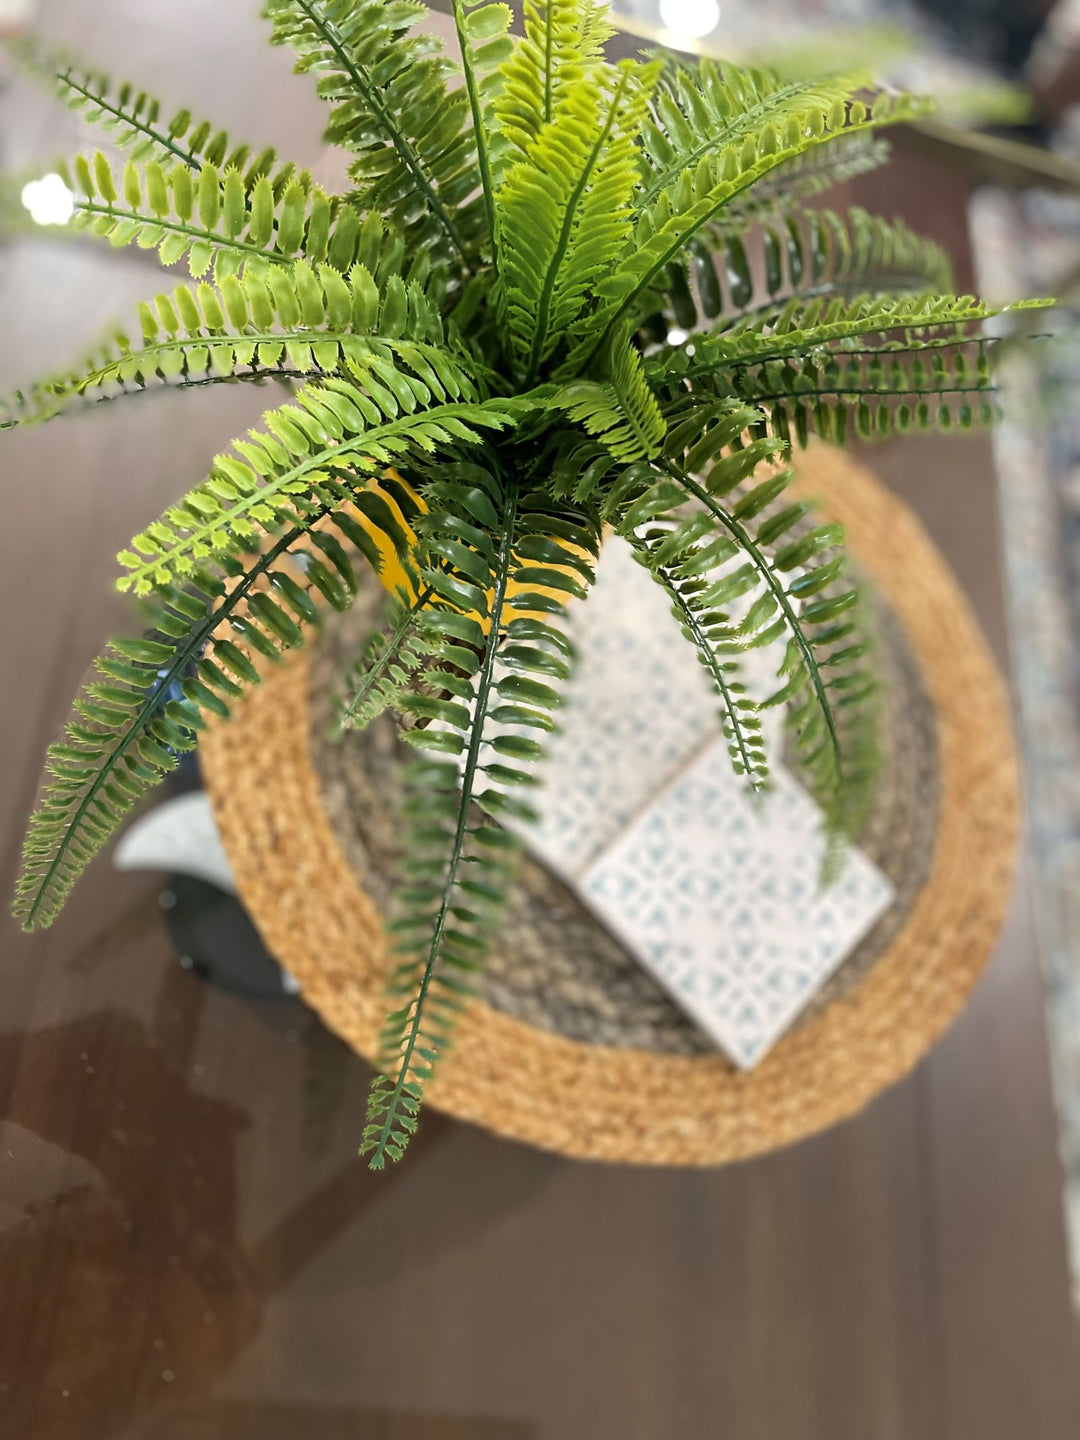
(1030, 244)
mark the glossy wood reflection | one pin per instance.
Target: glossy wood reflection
(189, 1247)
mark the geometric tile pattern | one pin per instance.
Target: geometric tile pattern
(717, 893)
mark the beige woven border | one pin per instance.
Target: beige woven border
(637, 1106)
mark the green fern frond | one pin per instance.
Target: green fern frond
(700, 110)
(795, 578)
(682, 554)
(563, 42)
(427, 941)
(564, 212)
(133, 118)
(498, 673)
(808, 175)
(391, 107)
(882, 358)
(791, 245)
(148, 698)
(825, 253)
(211, 217)
(482, 31)
(293, 322)
(802, 327)
(814, 254)
(622, 412)
(390, 663)
(825, 686)
(336, 434)
(872, 396)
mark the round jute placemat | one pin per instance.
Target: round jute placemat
(528, 1066)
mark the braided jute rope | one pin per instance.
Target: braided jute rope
(639, 1106)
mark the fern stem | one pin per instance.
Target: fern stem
(386, 657)
(158, 697)
(102, 102)
(247, 337)
(482, 157)
(255, 376)
(818, 348)
(468, 780)
(180, 227)
(765, 570)
(372, 94)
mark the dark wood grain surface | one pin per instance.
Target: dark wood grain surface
(188, 1247)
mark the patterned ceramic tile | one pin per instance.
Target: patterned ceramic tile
(716, 892)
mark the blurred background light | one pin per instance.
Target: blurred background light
(49, 200)
(691, 18)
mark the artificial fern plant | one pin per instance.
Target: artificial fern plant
(561, 295)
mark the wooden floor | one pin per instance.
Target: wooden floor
(188, 1247)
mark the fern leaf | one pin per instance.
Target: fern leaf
(563, 42)
(498, 671)
(333, 437)
(622, 412)
(211, 218)
(439, 808)
(564, 212)
(148, 698)
(818, 254)
(824, 683)
(884, 358)
(482, 31)
(791, 573)
(291, 322)
(391, 107)
(682, 555)
(756, 272)
(698, 111)
(803, 327)
(810, 174)
(389, 664)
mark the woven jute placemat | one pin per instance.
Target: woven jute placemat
(569, 1045)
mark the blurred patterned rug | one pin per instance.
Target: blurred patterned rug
(1027, 244)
